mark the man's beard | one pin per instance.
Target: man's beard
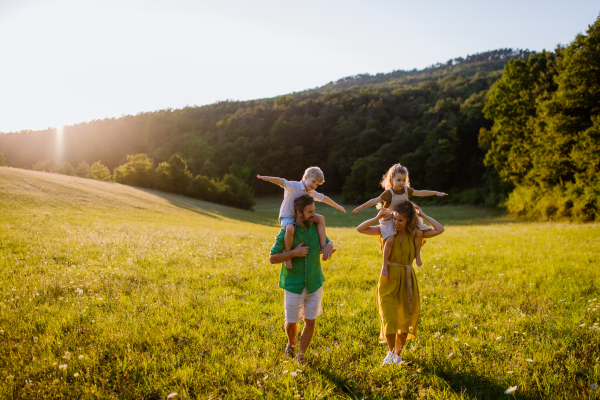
(308, 222)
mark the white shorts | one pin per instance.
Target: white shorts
(300, 306)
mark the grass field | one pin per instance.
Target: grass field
(108, 291)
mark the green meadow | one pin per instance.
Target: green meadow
(114, 292)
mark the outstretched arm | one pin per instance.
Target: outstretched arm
(366, 227)
(428, 193)
(299, 251)
(368, 204)
(438, 229)
(332, 203)
(272, 179)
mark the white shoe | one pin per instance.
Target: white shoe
(397, 360)
(389, 358)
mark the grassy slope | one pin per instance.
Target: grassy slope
(177, 295)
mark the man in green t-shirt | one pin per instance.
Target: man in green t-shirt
(303, 283)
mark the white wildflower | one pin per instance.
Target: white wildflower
(437, 334)
(75, 375)
(285, 371)
(529, 360)
(294, 373)
(455, 339)
(80, 356)
(174, 394)
(510, 390)
(582, 325)
(63, 366)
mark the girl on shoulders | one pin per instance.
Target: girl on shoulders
(397, 190)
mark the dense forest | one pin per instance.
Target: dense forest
(505, 127)
(354, 129)
(545, 140)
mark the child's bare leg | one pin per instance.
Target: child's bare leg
(320, 221)
(288, 241)
(418, 244)
(387, 250)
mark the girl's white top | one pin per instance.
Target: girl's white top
(293, 190)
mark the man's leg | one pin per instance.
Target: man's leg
(307, 333)
(290, 330)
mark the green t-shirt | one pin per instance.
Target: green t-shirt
(305, 271)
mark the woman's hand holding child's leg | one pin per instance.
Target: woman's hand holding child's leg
(288, 240)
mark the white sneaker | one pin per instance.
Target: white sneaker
(389, 358)
(397, 360)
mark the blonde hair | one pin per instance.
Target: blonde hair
(314, 172)
(387, 183)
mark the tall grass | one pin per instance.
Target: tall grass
(109, 291)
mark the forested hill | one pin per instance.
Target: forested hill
(354, 129)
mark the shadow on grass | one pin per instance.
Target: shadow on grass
(342, 384)
(475, 385)
(212, 210)
(267, 211)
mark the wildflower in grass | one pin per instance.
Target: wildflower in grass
(582, 325)
(529, 360)
(510, 372)
(76, 374)
(9, 377)
(80, 356)
(455, 339)
(285, 371)
(510, 390)
(594, 386)
(499, 337)
(172, 395)
(293, 373)
(63, 366)
(437, 334)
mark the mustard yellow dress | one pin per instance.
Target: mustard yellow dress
(397, 313)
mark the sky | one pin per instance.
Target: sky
(68, 61)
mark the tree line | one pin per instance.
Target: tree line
(545, 138)
(428, 120)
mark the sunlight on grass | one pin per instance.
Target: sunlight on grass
(115, 292)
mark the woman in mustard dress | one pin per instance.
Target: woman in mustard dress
(398, 300)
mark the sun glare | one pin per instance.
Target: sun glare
(59, 144)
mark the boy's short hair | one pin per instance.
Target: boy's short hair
(314, 172)
(301, 202)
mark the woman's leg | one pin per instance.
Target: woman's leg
(400, 342)
(391, 341)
